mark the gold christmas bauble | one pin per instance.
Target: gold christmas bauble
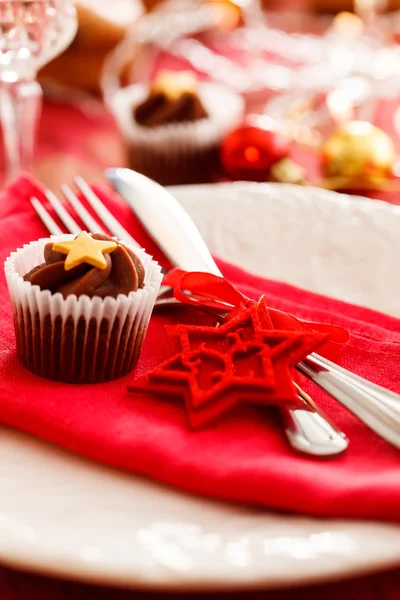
(358, 152)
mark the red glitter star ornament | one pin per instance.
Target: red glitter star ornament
(247, 359)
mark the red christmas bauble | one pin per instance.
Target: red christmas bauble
(249, 151)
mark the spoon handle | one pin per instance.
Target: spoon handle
(375, 406)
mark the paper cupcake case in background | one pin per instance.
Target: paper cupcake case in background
(78, 340)
(177, 153)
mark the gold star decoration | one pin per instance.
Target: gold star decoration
(84, 249)
(175, 84)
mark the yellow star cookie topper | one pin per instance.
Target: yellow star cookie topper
(175, 83)
(84, 249)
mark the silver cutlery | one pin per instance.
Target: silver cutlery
(308, 431)
(375, 406)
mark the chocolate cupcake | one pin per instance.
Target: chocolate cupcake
(174, 128)
(81, 306)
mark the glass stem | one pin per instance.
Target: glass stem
(20, 107)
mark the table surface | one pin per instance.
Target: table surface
(15, 585)
(87, 146)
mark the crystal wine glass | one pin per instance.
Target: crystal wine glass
(32, 32)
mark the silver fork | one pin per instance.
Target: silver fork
(308, 431)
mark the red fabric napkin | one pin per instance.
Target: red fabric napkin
(245, 457)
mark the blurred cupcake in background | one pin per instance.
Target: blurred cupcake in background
(174, 126)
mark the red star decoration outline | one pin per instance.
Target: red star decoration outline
(250, 333)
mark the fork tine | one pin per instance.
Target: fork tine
(105, 215)
(45, 217)
(91, 223)
(70, 223)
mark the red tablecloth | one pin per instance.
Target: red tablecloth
(86, 146)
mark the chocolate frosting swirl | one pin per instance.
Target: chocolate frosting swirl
(124, 273)
(159, 109)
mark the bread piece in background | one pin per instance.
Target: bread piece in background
(102, 24)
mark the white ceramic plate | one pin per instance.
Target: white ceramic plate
(63, 515)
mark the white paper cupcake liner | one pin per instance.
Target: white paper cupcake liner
(78, 340)
(177, 152)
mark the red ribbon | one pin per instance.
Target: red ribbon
(205, 290)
